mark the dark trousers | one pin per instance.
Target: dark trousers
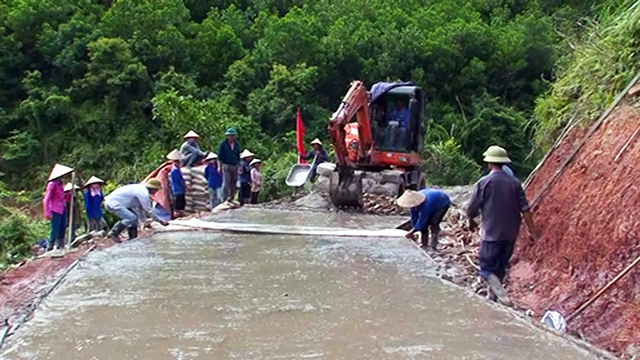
(433, 226)
(245, 193)
(494, 258)
(254, 197)
(179, 202)
(56, 236)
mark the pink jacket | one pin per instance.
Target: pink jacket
(54, 198)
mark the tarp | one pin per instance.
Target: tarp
(381, 88)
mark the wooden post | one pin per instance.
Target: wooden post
(73, 194)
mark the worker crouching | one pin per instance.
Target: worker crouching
(93, 197)
(428, 207)
(54, 207)
(190, 150)
(123, 203)
(500, 199)
(178, 186)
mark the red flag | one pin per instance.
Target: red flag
(300, 136)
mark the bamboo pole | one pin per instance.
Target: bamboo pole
(602, 291)
(73, 194)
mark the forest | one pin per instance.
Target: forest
(110, 86)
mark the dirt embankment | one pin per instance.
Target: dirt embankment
(590, 222)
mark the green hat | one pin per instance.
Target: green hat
(496, 155)
(231, 132)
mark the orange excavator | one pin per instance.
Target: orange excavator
(377, 136)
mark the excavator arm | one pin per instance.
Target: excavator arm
(345, 188)
(355, 103)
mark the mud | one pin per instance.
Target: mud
(215, 295)
(589, 220)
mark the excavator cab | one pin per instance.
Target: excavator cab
(398, 119)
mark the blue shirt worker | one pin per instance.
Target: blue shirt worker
(500, 199)
(229, 157)
(318, 155)
(93, 197)
(397, 126)
(428, 207)
(178, 186)
(244, 175)
(213, 174)
(190, 149)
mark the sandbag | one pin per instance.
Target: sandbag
(186, 171)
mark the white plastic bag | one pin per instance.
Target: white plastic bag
(554, 320)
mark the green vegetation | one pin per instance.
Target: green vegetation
(109, 87)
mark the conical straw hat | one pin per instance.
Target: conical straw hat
(211, 156)
(175, 155)
(191, 134)
(316, 141)
(68, 187)
(93, 180)
(410, 199)
(246, 153)
(255, 161)
(59, 171)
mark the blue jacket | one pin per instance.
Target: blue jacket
(322, 157)
(177, 181)
(93, 205)
(213, 176)
(244, 173)
(435, 200)
(229, 156)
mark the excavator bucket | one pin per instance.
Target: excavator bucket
(345, 188)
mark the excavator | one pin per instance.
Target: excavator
(377, 136)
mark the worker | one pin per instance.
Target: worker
(229, 157)
(397, 126)
(318, 154)
(256, 180)
(53, 203)
(126, 200)
(178, 186)
(190, 150)
(77, 209)
(213, 174)
(428, 208)
(505, 167)
(244, 175)
(93, 197)
(501, 200)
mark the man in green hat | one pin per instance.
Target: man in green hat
(502, 202)
(229, 157)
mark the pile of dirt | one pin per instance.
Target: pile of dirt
(382, 205)
(590, 222)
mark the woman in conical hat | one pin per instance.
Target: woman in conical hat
(428, 207)
(93, 197)
(77, 209)
(318, 155)
(54, 207)
(244, 176)
(178, 185)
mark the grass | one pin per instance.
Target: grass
(589, 78)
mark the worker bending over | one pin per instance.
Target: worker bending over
(123, 203)
(501, 200)
(428, 207)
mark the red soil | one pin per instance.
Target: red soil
(21, 286)
(590, 223)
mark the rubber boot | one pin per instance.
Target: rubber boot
(496, 287)
(433, 241)
(133, 232)
(116, 230)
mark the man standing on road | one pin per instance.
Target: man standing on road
(124, 201)
(501, 200)
(229, 157)
(428, 207)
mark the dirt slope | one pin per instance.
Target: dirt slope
(590, 217)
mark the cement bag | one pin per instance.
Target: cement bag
(195, 188)
(186, 171)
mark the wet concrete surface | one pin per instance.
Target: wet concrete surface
(229, 296)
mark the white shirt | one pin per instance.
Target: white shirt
(129, 196)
